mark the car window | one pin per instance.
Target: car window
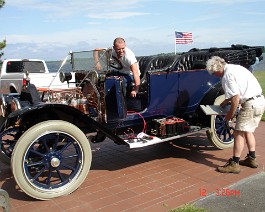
(23, 66)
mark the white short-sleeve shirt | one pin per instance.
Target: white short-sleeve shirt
(239, 80)
(127, 60)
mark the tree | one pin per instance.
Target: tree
(2, 44)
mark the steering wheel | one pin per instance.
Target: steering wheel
(115, 63)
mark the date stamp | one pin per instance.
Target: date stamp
(221, 192)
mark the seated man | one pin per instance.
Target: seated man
(128, 62)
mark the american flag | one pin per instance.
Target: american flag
(183, 37)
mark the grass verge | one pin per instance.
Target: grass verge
(188, 208)
(260, 75)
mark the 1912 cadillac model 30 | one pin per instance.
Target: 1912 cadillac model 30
(46, 134)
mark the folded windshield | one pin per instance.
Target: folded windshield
(89, 60)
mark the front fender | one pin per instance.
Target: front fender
(32, 115)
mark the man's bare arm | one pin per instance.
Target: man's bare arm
(136, 77)
(96, 57)
(234, 104)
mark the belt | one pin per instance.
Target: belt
(252, 98)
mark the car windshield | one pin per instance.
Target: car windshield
(23, 66)
(89, 60)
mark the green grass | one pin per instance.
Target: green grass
(260, 75)
(188, 208)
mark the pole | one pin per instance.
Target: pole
(175, 43)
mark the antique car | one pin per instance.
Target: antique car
(46, 133)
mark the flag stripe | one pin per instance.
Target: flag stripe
(183, 37)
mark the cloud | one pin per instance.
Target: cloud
(115, 15)
(227, 2)
(63, 8)
(47, 51)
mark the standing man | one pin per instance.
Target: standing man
(240, 87)
(128, 62)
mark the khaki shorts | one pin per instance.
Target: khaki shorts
(250, 115)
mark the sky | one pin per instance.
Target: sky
(49, 29)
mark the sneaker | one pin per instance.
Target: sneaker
(230, 167)
(249, 161)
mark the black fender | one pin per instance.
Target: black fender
(208, 99)
(35, 114)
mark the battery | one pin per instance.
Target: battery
(168, 126)
(171, 126)
(160, 127)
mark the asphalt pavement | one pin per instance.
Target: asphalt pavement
(245, 195)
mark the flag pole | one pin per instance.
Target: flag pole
(175, 43)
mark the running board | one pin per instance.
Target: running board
(143, 139)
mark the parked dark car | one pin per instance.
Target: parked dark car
(46, 133)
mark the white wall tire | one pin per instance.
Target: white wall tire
(51, 159)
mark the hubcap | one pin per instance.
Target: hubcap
(55, 162)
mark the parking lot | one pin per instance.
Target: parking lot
(154, 178)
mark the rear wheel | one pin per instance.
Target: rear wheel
(51, 159)
(8, 139)
(221, 133)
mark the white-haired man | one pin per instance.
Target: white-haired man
(240, 87)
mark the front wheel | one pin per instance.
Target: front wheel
(221, 133)
(51, 159)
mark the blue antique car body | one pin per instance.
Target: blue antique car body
(46, 134)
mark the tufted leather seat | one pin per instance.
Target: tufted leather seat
(144, 64)
(157, 63)
(163, 62)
